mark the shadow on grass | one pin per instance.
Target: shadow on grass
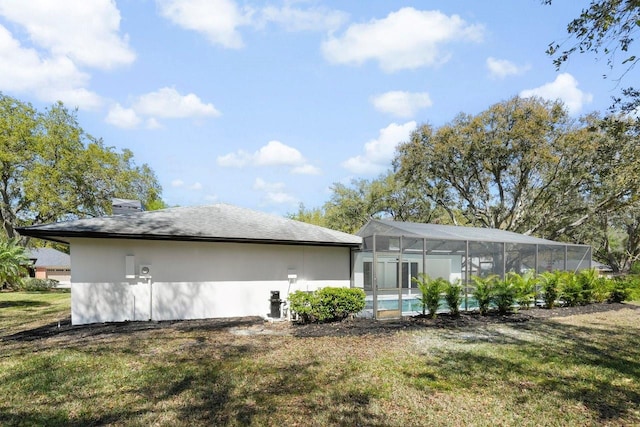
(64, 328)
(23, 304)
(597, 367)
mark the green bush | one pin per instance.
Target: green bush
(635, 267)
(504, 295)
(525, 285)
(430, 290)
(550, 283)
(339, 303)
(327, 304)
(13, 263)
(621, 290)
(33, 284)
(570, 290)
(304, 305)
(633, 284)
(588, 280)
(453, 297)
(483, 292)
(601, 289)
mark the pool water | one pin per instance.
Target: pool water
(413, 305)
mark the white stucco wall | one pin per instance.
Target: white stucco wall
(193, 280)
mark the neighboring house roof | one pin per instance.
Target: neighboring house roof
(49, 257)
(601, 267)
(448, 232)
(218, 222)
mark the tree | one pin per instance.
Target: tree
(608, 28)
(523, 165)
(605, 27)
(350, 207)
(51, 170)
(13, 261)
(314, 216)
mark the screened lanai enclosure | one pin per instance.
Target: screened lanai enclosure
(395, 252)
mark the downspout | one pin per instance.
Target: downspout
(375, 279)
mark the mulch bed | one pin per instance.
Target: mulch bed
(348, 327)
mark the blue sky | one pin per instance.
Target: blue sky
(266, 104)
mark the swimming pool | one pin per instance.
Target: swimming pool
(411, 305)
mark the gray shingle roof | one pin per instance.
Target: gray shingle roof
(448, 232)
(49, 257)
(219, 222)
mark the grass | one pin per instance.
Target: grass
(25, 310)
(573, 371)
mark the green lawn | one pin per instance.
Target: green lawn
(24, 310)
(570, 371)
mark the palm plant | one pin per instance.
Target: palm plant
(504, 295)
(483, 292)
(525, 285)
(13, 262)
(430, 290)
(550, 282)
(453, 297)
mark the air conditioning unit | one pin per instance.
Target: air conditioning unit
(145, 270)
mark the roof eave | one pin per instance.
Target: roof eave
(57, 237)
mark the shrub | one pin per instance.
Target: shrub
(588, 280)
(633, 285)
(453, 297)
(549, 282)
(601, 289)
(483, 292)
(525, 286)
(620, 290)
(570, 289)
(504, 295)
(13, 263)
(327, 304)
(32, 284)
(339, 303)
(430, 290)
(303, 304)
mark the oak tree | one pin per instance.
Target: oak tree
(52, 170)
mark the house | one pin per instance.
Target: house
(395, 252)
(195, 262)
(50, 264)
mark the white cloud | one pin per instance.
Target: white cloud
(306, 170)
(49, 79)
(152, 123)
(168, 103)
(401, 104)
(274, 192)
(501, 68)
(211, 197)
(564, 88)
(178, 183)
(379, 152)
(406, 39)
(313, 19)
(121, 117)
(217, 20)
(238, 159)
(275, 153)
(87, 32)
(165, 103)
